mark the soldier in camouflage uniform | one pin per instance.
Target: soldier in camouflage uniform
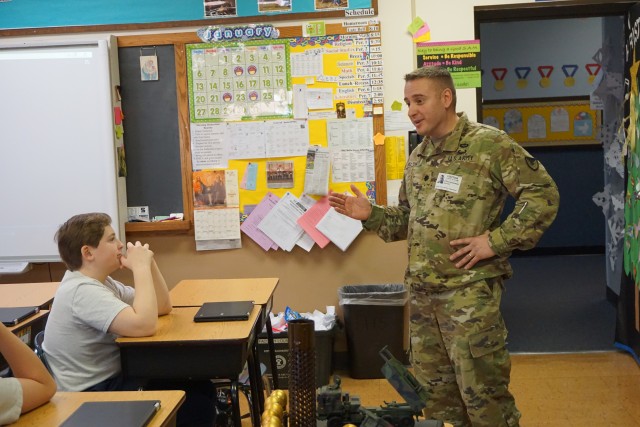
(453, 192)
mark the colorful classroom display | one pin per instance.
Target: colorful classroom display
(545, 123)
(292, 118)
(239, 81)
(632, 196)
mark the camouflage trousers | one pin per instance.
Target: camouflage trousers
(458, 354)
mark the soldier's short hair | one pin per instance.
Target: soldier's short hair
(439, 74)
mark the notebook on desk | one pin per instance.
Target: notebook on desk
(121, 413)
(224, 311)
(11, 316)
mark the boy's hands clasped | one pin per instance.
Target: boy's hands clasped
(137, 255)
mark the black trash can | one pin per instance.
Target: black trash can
(373, 318)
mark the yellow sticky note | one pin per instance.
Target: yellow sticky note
(396, 106)
(378, 139)
(423, 38)
(415, 25)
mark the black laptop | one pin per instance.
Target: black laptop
(224, 311)
(11, 316)
(121, 413)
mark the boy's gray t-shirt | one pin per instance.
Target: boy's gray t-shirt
(10, 400)
(78, 348)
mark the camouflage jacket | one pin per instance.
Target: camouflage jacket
(458, 189)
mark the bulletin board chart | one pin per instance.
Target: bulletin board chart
(238, 81)
(271, 150)
(329, 86)
(348, 64)
(546, 123)
(350, 67)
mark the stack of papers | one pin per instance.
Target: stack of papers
(290, 221)
(280, 223)
(341, 229)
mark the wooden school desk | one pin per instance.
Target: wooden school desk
(184, 349)
(28, 328)
(26, 331)
(63, 404)
(28, 294)
(193, 293)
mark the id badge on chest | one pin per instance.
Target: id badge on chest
(448, 182)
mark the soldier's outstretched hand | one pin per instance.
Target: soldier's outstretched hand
(357, 207)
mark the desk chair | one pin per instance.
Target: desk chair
(39, 351)
(37, 348)
(227, 392)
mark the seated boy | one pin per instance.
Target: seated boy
(90, 310)
(31, 385)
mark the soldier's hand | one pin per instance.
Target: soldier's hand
(472, 250)
(357, 207)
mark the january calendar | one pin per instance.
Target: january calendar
(239, 81)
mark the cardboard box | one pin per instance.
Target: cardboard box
(324, 357)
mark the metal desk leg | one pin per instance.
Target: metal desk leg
(272, 353)
(235, 404)
(255, 380)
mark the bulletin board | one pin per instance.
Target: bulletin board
(359, 90)
(246, 84)
(546, 123)
(152, 180)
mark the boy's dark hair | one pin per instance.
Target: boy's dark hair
(439, 74)
(80, 230)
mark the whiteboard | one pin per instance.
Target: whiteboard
(57, 143)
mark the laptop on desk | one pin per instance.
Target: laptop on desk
(121, 413)
(11, 316)
(224, 311)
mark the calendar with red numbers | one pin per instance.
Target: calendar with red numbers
(238, 81)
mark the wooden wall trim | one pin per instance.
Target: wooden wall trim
(184, 130)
